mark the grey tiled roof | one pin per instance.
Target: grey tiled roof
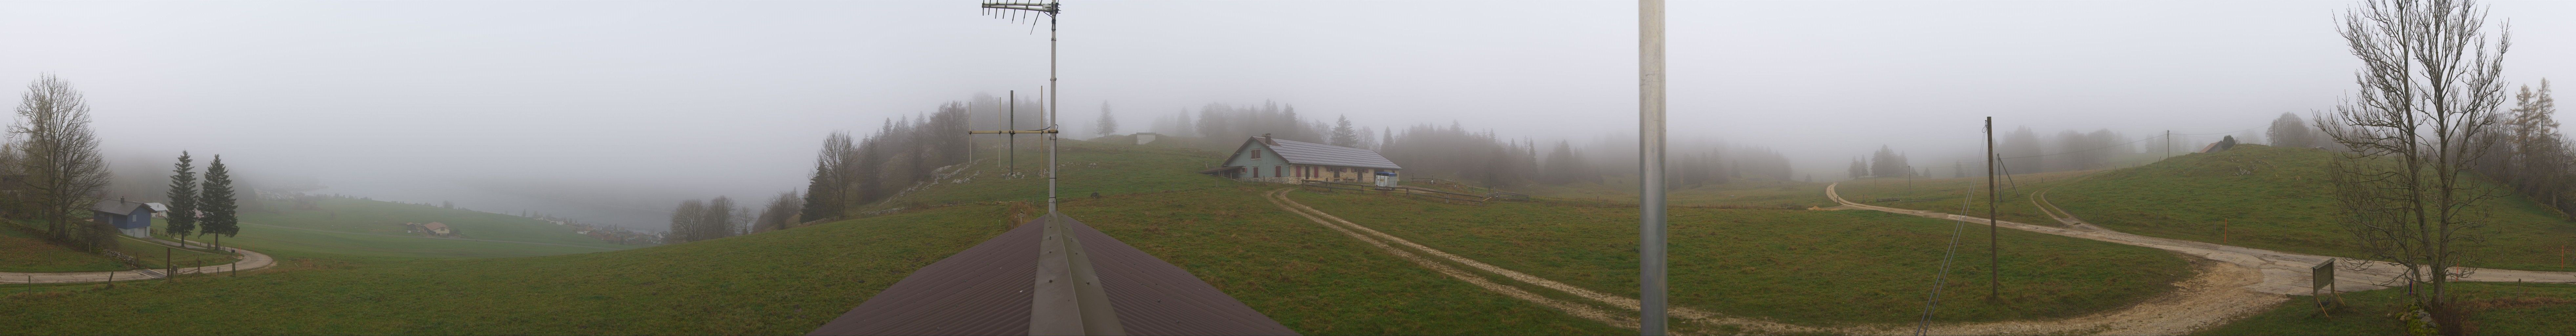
(118, 206)
(1301, 152)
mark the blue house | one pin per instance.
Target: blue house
(133, 218)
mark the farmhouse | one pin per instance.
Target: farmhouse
(132, 218)
(436, 228)
(1289, 161)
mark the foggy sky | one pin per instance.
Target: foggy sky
(663, 100)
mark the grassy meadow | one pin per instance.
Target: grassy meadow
(351, 229)
(1945, 195)
(2280, 199)
(25, 250)
(1622, 190)
(1305, 276)
(1796, 266)
(2493, 308)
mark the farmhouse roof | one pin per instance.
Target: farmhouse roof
(118, 206)
(988, 290)
(434, 226)
(1301, 152)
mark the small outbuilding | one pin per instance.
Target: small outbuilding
(1267, 159)
(132, 218)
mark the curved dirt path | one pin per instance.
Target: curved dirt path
(2283, 272)
(2214, 296)
(249, 261)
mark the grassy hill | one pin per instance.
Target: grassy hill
(356, 228)
(1797, 266)
(2495, 309)
(25, 251)
(1301, 274)
(2279, 198)
(1738, 194)
(1946, 195)
(1088, 167)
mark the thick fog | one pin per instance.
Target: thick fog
(615, 110)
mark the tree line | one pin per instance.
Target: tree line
(54, 174)
(850, 172)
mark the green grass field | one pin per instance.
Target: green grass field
(1944, 195)
(379, 217)
(2280, 199)
(1089, 167)
(352, 229)
(1305, 276)
(2494, 309)
(1797, 266)
(793, 280)
(23, 250)
(1740, 194)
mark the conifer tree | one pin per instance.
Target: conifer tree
(1343, 135)
(1107, 125)
(183, 199)
(216, 200)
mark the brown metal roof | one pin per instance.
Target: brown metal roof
(986, 290)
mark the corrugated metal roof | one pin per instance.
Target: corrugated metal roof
(1300, 152)
(985, 290)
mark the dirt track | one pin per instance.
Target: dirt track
(250, 261)
(2233, 282)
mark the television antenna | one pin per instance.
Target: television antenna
(1016, 11)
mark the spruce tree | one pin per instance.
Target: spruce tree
(1343, 135)
(183, 199)
(216, 200)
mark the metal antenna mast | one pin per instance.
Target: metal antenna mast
(1650, 138)
(1068, 298)
(1050, 9)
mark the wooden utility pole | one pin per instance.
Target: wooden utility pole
(1994, 252)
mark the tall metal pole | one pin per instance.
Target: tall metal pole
(1994, 252)
(1650, 138)
(1011, 121)
(1051, 107)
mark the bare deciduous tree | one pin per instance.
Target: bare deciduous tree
(2290, 131)
(65, 173)
(2429, 87)
(685, 222)
(780, 214)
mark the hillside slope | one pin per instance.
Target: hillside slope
(2279, 198)
(354, 229)
(790, 281)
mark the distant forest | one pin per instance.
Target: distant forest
(852, 171)
(1479, 156)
